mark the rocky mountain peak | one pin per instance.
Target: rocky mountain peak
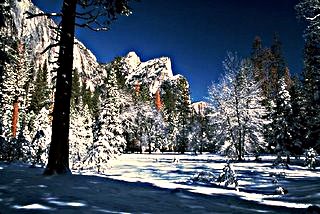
(151, 73)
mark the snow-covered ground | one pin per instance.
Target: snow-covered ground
(156, 184)
(257, 181)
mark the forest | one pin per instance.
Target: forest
(256, 108)
(63, 112)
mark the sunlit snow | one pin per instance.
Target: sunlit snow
(156, 183)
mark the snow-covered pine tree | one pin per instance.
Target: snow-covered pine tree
(7, 98)
(158, 131)
(108, 139)
(238, 113)
(81, 135)
(38, 131)
(299, 122)
(282, 121)
(311, 82)
(15, 73)
(35, 133)
(309, 11)
(9, 58)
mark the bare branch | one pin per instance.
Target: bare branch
(31, 15)
(313, 18)
(49, 47)
(78, 14)
(86, 25)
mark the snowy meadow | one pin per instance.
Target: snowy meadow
(158, 183)
(257, 181)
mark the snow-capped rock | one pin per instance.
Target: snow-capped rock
(38, 33)
(199, 107)
(151, 73)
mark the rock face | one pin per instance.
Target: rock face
(200, 107)
(152, 72)
(38, 33)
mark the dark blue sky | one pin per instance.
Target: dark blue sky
(196, 34)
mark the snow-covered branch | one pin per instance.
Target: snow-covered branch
(313, 18)
(50, 15)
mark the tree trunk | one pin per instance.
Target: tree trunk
(239, 128)
(149, 143)
(15, 115)
(58, 161)
(158, 102)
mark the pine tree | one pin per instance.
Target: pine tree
(199, 134)
(299, 122)
(308, 11)
(269, 67)
(39, 131)
(81, 136)
(183, 109)
(41, 94)
(282, 120)
(311, 82)
(76, 91)
(170, 115)
(278, 64)
(14, 76)
(108, 139)
(91, 99)
(261, 58)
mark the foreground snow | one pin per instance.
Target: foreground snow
(154, 184)
(257, 181)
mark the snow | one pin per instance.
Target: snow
(32, 207)
(38, 36)
(199, 107)
(132, 60)
(143, 183)
(152, 72)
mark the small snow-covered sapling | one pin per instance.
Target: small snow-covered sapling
(311, 158)
(228, 176)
